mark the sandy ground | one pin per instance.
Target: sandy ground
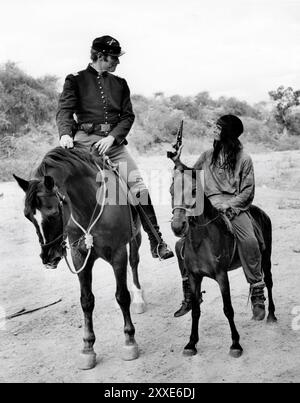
(44, 346)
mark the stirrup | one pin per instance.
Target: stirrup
(156, 253)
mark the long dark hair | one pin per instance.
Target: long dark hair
(230, 145)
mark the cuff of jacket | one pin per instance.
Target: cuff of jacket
(119, 140)
(66, 134)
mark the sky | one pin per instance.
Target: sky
(241, 48)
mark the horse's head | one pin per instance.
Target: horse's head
(187, 199)
(44, 207)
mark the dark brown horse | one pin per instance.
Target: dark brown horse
(69, 193)
(207, 249)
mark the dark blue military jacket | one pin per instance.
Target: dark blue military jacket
(95, 98)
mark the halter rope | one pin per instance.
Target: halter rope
(88, 237)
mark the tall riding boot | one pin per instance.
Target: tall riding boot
(186, 305)
(258, 300)
(158, 247)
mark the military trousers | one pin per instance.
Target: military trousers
(126, 165)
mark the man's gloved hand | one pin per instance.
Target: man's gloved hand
(66, 141)
(104, 144)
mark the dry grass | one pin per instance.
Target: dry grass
(278, 170)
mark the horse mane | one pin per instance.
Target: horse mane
(60, 159)
(30, 198)
(66, 160)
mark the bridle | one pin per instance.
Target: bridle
(60, 240)
(45, 245)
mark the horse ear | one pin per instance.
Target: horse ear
(49, 182)
(22, 183)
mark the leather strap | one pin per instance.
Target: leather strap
(90, 128)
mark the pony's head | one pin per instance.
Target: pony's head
(44, 207)
(187, 199)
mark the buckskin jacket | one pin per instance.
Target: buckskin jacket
(237, 188)
(95, 98)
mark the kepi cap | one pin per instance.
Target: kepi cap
(107, 45)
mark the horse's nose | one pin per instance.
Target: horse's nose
(53, 264)
(44, 258)
(56, 261)
(51, 259)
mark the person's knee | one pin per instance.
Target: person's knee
(251, 241)
(250, 248)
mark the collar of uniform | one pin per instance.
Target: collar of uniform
(95, 72)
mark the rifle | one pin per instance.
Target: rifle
(177, 145)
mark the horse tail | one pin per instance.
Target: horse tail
(266, 255)
(267, 270)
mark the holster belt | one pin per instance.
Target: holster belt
(90, 128)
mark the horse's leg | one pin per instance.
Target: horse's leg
(195, 283)
(138, 304)
(235, 350)
(119, 263)
(88, 356)
(186, 305)
(266, 267)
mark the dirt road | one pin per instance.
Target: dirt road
(44, 346)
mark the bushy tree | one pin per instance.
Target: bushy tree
(237, 107)
(24, 100)
(184, 104)
(293, 123)
(158, 117)
(285, 99)
(203, 99)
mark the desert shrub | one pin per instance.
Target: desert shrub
(293, 123)
(25, 102)
(24, 153)
(27, 121)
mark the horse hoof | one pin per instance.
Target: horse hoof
(138, 307)
(235, 353)
(259, 313)
(87, 361)
(271, 319)
(258, 318)
(130, 352)
(189, 352)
